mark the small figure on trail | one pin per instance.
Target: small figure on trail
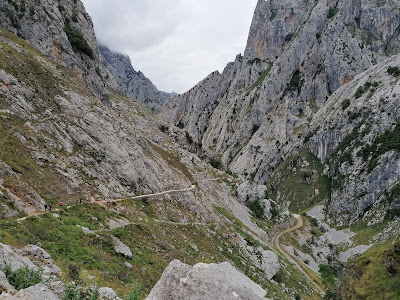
(80, 201)
(60, 203)
(50, 207)
(45, 206)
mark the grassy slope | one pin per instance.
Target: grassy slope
(296, 182)
(368, 278)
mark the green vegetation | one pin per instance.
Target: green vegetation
(332, 11)
(163, 128)
(345, 104)
(216, 162)
(180, 125)
(261, 79)
(367, 86)
(394, 71)
(387, 141)
(370, 277)
(75, 292)
(297, 182)
(295, 83)
(23, 278)
(257, 209)
(189, 137)
(77, 40)
(329, 277)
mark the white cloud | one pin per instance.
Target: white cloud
(176, 43)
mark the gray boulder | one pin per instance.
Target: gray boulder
(121, 248)
(106, 293)
(205, 281)
(36, 292)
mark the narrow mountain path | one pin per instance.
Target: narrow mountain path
(289, 257)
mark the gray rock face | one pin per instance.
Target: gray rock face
(131, 83)
(340, 133)
(36, 292)
(298, 53)
(42, 24)
(121, 248)
(204, 281)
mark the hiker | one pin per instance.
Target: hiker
(45, 206)
(60, 203)
(50, 207)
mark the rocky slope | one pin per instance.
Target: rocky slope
(298, 53)
(131, 83)
(62, 31)
(60, 142)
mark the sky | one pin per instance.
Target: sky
(175, 43)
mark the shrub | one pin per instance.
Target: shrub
(163, 128)
(216, 163)
(133, 295)
(295, 83)
(23, 278)
(257, 208)
(77, 41)
(345, 104)
(332, 12)
(189, 137)
(394, 71)
(75, 292)
(180, 125)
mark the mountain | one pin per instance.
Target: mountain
(306, 122)
(298, 53)
(131, 83)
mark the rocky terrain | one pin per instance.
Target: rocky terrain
(133, 84)
(308, 116)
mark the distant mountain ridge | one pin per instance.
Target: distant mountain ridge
(132, 83)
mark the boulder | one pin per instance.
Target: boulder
(106, 293)
(205, 281)
(36, 292)
(121, 248)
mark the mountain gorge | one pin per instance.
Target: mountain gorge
(306, 121)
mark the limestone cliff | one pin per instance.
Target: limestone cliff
(132, 83)
(298, 54)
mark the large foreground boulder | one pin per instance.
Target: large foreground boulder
(205, 281)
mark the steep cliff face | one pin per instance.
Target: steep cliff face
(62, 31)
(357, 135)
(131, 83)
(298, 53)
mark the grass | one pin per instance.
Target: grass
(260, 79)
(298, 184)
(367, 277)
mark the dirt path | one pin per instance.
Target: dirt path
(278, 246)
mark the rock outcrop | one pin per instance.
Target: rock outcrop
(204, 281)
(298, 53)
(356, 135)
(133, 84)
(62, 31)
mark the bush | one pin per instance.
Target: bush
(180, 125)
(332, 12)
(345, 104)
(23, 278)
(77, 41)
(257, 208)
(394, 71)
(75, 292)
(163, 128)
(133, 295)
(216, 163)
(189, 137)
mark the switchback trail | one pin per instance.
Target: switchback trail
(289, 257)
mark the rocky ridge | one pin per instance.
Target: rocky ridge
(298, 53)
(131, 83)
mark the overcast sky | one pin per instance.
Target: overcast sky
(175, 43)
